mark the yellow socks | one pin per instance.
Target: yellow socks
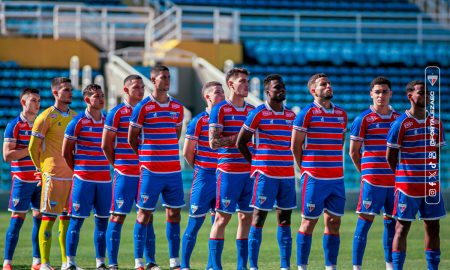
(62, 230)
(45, 237)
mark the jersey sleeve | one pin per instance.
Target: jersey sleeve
(216, 117)
(358, 129)
(40, 126)
(11, 132)
(112, 120)
(193, 129)
(252, 121)
(72, 129)
(302, 120)
(395, 135)
(137, 117)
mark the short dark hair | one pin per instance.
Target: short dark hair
(411, 84)
(90, 90)
(27, 91)
(234, 71)
(131, 77)
(313, 78)
(380, 80)
(208, 85)
(158, 69)
(271, 77)
(59, 80)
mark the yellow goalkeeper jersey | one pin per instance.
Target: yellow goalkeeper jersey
(46, 142)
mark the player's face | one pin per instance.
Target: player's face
(162, 81)
(31, 103)
(239, 84)
(97, 100)
(323, 89)
(215, 95)
(417, 97)
(276, 91)
(381, 94)
(64, 93)
(135, 89)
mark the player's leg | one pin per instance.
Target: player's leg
(286, 201)
(150, 247)
(37, 217)
(312, 208)
(334, 205)
(12, 237)
(62, 196)
(102, 205)
(255, 236)
(389, 227)
(48, 220)
(113, 234)
(245, 214)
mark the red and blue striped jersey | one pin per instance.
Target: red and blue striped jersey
(126, 161)
(90, 163)
(158, 148)
(418, 142)
(371, 128)
(325, 133)
(197, 130)
(18, 131)
(230, 119)
(272, 131)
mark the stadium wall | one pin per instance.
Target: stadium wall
(47, 52)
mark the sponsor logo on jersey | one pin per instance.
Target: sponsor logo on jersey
(339, 112)
(226, 202)
(85, 121)
(175, 106)
(227, 110)
(16, 201)
(262, 199)
(76, 206)
(119, 203)
(290, 114)
(367, 204)
(310, 206)
(402, 207)
(124, 111)
(194, 208)
(149, 107)
(266, 113)
(205, 120)
(316, 111)
(53, 116)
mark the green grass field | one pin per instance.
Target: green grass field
(269, 258)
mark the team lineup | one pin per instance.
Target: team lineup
(243, 159)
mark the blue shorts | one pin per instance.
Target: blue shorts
(321, 195)
(406, 208)
(374, 198)
(203, 192)
(151, 185)
(234, 192)
(87, 195)
(271, 192)
(23, 196)
(125, 189)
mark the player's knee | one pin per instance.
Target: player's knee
(221, 220)
(173, 214)
(259, 217)
(18, 215)
(432, 227)
(143, 216)
(118, 218)
(284, 217)
(402, 229)
(367, 217)
(37, 214)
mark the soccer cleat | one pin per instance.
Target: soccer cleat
(178, 267)
(140, 268)
(113, 267)
(7, 267)
(36, 266)
(152, 266)
(46, 266)
(102, 267)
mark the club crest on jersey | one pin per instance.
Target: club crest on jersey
(367, 204)
(149, 107)
(311, 206)
(194, 208)
(144, 198)
(124, 111)
(16, 201)
(76, 206)
(52, 116)
(370, 119)
(119, 203)
(226, 202)
(408, 124)
(262, 199)
(402, 207)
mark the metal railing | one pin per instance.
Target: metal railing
(437, 9)
(102, 25)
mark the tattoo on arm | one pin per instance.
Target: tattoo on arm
(216, 140)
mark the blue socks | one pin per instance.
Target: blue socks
(101, 224)
(388, 237)
(433, 258)
(189, 239)
(360, 240)
(12, 236)
(303, 247)
(285, 244)
(254, 243)
(140, 232)
(398, 259)
(331, 244)
(215, 253)
(150, 249)
(113, 241)
(35, 237)
(173, 237)
(242, 253)
(73, 236)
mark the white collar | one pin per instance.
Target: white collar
(325, 109)
(272, 110)
(383, 116)
(239, 109)
(161, 104)
(89, 116)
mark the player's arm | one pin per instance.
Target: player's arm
(297, 140)
(68, 152)
(133, 138)
(355, 153)
(392, 158)
(243, 138)
(108, 138)
(189, 151)
(34, 150)
(216, 140)
(11, 153)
